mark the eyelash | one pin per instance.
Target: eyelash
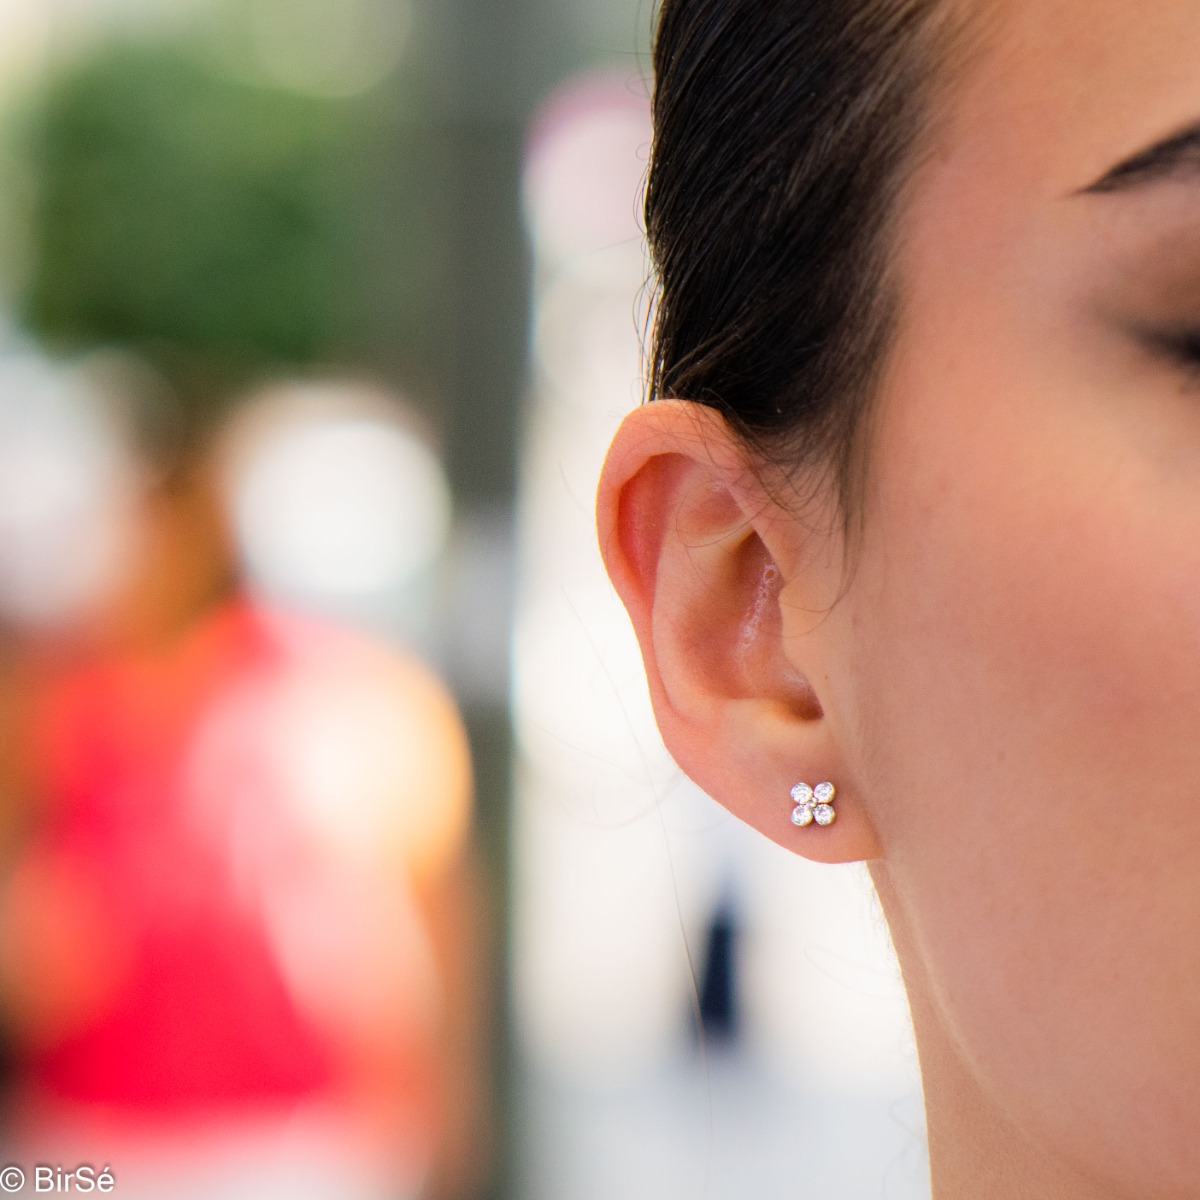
(1187, 347)
(1181, 348)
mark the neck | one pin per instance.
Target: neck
(976, 1150)
(186, 566)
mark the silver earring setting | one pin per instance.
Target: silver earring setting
(813, 804)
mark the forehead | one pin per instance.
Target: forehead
(1044, 98)
(1010, 270)
(1049, 94)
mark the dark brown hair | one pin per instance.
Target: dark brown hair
(783, 134)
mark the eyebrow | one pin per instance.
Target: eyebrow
(1180, 152)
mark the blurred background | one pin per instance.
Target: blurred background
(339, 856)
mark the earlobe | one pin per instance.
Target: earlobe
(711, 570)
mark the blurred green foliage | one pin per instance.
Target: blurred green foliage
(206, 223)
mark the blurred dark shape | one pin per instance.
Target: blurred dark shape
(718, 987)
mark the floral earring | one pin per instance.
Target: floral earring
(813, 804)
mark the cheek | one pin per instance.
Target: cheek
(1026, 690)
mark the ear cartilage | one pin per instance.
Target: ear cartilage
(813, 804)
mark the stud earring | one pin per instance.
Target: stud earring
(813, 804)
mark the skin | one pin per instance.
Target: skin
(1002, 674)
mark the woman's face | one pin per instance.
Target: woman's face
(1019, 687)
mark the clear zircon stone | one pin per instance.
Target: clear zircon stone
(823, 814)
(824, 792)
(802, 814)
(802, 793)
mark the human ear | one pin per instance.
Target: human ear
(719, 580)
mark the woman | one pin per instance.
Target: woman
(238, 939)
(916, 513)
